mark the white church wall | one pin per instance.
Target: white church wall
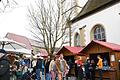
(109, 18)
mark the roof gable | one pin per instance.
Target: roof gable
(20, 39)
(111, 46)
(93, 6)
(71, 50)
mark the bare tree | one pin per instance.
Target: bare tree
(4, 4)
(49, 24)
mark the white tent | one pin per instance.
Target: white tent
(22, 51)
(6, 43)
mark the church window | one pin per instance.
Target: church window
(99, 33)
(77, 40)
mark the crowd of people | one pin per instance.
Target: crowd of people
(21, 68)
(55, 68)
(50, 68)
(12, 66)
(87, 69)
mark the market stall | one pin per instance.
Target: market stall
(110, 53)
(70, 55)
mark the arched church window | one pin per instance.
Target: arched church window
(77, 40)
(99, 33)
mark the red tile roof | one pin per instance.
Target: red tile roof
(43, 53)
(73, 50)
(20, 39)
(112, 46)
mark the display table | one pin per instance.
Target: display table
(107, 75)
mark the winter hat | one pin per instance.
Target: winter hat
(3, 51)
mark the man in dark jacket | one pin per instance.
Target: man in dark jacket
(47, 73)
(39, 68)
(4, 66)
(87, 70)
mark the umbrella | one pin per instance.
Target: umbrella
(6, 43)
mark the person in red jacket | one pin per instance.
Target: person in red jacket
(79, 63)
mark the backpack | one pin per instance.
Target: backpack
(4, 65)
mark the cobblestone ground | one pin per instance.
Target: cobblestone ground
(43, 78)
(71, 78)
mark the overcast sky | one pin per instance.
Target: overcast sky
(15, 20)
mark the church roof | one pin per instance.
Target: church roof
(93, 6)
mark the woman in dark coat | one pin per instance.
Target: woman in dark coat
(87, 71)
(4, 66)
(92, 70)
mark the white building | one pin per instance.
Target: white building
(99, 20)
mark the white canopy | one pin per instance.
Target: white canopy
(6, 43)
(23, 51)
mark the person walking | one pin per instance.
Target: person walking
(39, 68)
(58, 68)
(47, 73)
(100, 66)
(43, 69)
(64, 67)
(52, 68)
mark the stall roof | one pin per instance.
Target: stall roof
(43, 52)
(112, 46)
(20, 39)
(73, 50)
